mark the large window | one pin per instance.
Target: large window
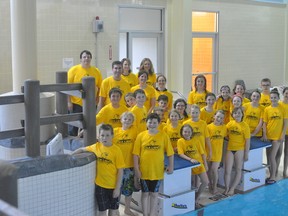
(205, 47)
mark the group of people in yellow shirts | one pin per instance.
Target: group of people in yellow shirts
(140, 123)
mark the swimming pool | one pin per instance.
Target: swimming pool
(267, 200)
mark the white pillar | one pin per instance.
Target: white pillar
(24, 42)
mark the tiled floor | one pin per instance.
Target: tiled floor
(205, 198)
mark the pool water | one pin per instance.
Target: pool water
(268, 200)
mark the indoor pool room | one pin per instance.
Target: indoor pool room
(143, 107)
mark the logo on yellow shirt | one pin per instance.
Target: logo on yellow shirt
(115, 119)
(103, 158)
(190, 150)
(201, 103)
(217, 135)
(275, 116)
(252, 116)
(125, 140)
(152, 145)
(174, 137)
(196, 131)
(235, 131)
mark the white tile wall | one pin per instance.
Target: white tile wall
(66, 192)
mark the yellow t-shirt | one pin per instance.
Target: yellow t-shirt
(168, 94)
(110, 83)
(173, 133)
(217, 133)
(151, 79)
(149, 92)
(220, 104)
(197, 98)
(131, 79)
(192, 149)
(252, 116)
(151, 150)
(161, 126)
(265, 100)
(206, 116)
(285, 106)
(75, 75)
(274, 119)
(200, 131)
(110, 115)
(238, 132)
(245, 100)
(125, 139)
(140, 115)
(108, 160)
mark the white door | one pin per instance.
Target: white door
(145, 45)
(141, 31)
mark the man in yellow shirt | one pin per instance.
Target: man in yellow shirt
(114, 81)
(75, 75)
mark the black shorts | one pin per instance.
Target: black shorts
(150, 185)
(104, 198)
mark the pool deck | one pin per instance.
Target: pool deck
(206, 197)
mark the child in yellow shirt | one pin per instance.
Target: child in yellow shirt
(217, 132)
(173, 128)
(110, 113)
(139, 110)
(223, 102)
(148, 153)
(163, 103)
(274, 129)
(191, 149)
(200, 130)
(130, 100)
(237, 149)
(124, 138)
(207, 113)
(265, 94)
(109, 166)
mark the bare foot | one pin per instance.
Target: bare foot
(210, 188)
(231, 192)
(129, 212)
(198, 206)
(226, 191)
(215, 190)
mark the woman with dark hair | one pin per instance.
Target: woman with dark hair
(197, 96)
(180, 105)
(162, 90)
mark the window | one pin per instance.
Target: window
(205, 47)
